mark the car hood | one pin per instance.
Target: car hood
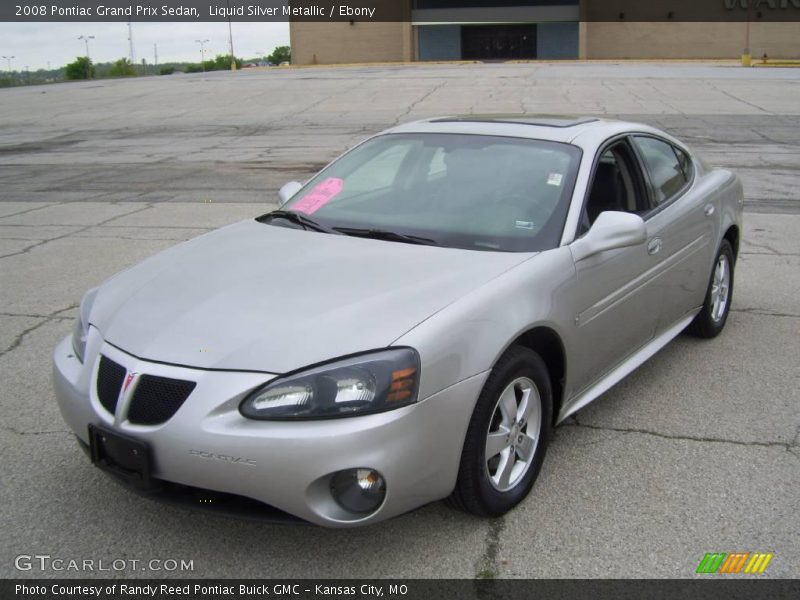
(257, 297)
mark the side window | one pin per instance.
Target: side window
(617, 185)
(685, 162)
(667, 173)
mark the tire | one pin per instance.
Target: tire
(484, 487)
(710, 321)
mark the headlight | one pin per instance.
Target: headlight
(360, 385)
(81, 329)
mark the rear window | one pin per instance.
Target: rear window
(667, 166)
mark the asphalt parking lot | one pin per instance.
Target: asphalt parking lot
(697, 451)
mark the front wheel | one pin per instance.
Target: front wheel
(507, 436)
(711, 319)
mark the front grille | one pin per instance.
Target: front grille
(156, 399)
(110, 376)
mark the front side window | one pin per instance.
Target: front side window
(616, 186)
(667, 174)
(463, 191)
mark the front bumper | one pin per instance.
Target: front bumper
(208, 444)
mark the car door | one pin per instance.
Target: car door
(682, 221)
(617, 305)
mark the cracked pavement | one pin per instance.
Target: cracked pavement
(696, 451)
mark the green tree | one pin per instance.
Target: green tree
(122, 68)
(222, 62)
(80, 68)
(280, 54)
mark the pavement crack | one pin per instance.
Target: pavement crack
(766, 247)
(54, 316)
(737, 99)
(765, 313)
(687, 438)
(132, 239)
(25, 212)
(27, 249)
(488, 566)
(32, 316)
(782, 254)
(422, 99)
(16, 431)
(148, 227)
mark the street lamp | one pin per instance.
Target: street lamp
(86, 39)
(10, 76)
(202, 53)
(230, 36)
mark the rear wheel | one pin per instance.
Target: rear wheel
(711, 319)
(507, 437)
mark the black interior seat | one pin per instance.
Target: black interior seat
(608, 191)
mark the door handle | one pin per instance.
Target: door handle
(709, 210)
(654, 247)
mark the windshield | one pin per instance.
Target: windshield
(462, 191)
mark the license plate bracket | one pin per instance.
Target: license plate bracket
(125, 457)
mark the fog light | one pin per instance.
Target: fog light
(359, 491)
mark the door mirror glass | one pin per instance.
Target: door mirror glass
(288, 191)
(610, 231)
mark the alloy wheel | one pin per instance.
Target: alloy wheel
(720, 288)
(513, 434)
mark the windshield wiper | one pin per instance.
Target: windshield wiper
(389, 236)
(293, 217)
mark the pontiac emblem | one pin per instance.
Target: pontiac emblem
(128, 380)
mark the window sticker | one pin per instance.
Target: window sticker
(555, 179)
(525, 225)
(318, 197)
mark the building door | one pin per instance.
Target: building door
(498, 42)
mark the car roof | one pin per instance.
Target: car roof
(566, 129)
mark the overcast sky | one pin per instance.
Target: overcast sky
(36, 44)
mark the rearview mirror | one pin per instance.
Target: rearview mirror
(610, 231)
(288, 191)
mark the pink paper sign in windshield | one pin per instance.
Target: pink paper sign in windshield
(318, 197)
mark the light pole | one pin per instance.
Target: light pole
(86, 39)
(202, 53)
(10, 77)
(130, 44)
(230, 36)
(746, 55)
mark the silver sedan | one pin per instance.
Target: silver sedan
(409, 326)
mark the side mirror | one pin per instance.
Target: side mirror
(610, 231)
(288, 191)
